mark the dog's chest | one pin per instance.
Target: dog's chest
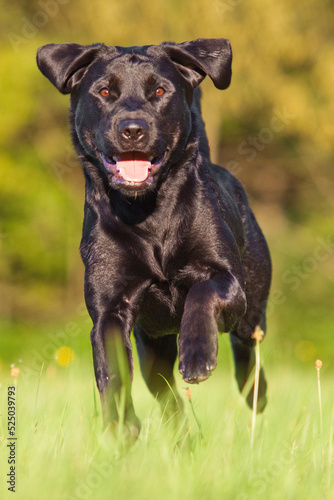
(161, 309)
(174, 270)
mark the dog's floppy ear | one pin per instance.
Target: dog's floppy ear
(201, 57)
(65, 63)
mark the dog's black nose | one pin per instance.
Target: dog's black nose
(133, 130)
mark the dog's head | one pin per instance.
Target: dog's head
(131, 106)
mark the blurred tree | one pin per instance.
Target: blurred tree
(273, 128)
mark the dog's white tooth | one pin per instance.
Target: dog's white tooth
(150, 158)
(115, 159)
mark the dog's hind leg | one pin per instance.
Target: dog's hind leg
(257, 269)
(243, 342)
(157, 356)
(244, 360)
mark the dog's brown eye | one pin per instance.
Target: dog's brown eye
(159, 92)
(104, 92)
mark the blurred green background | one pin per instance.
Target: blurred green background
(273, 128)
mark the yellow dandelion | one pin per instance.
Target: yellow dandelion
(304, 350)
(64, 356)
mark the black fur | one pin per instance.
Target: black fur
(177, 253)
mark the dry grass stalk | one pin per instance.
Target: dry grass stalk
(258, 336)
(318, 365)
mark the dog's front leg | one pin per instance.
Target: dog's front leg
(112, 353)
(220, 299)
(112, 356)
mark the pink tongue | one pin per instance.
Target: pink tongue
(133, 167)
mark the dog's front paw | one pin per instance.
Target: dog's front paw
(196, 362)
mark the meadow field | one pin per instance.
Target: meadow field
(62, 451)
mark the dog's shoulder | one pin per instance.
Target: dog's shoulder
(232, 199)
(227, 182)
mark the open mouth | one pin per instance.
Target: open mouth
(132, 168)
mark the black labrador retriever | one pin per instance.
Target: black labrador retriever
(169, 242)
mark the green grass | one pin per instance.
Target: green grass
(63, 453)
